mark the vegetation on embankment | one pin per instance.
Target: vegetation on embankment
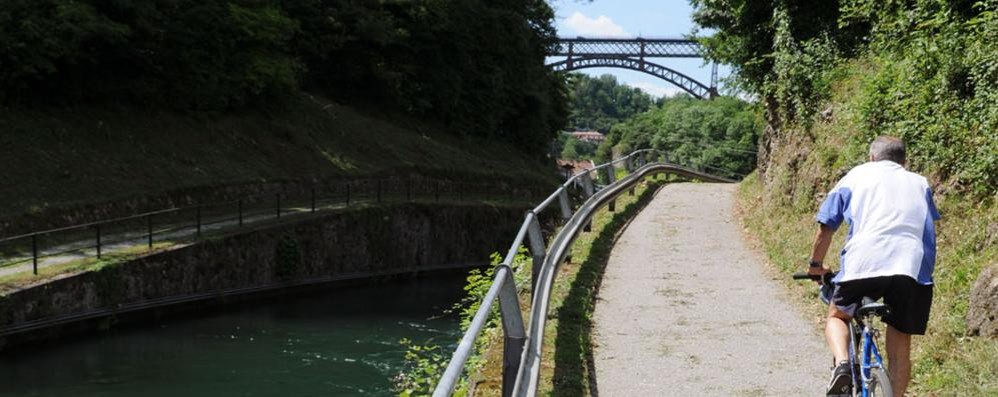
(830, 78)
(476, 66)
(171, 95)
(89, 154)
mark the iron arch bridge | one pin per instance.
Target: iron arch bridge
(583, 53)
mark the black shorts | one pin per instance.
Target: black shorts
(909, 300)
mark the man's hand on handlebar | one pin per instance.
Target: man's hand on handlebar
(819, 270)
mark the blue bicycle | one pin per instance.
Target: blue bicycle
(869, 375)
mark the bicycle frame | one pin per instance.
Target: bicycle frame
(869, 356)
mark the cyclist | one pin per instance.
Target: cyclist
(889, 252)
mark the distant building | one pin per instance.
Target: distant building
(588, 136)
(572, 167)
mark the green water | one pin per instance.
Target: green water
(341, 342)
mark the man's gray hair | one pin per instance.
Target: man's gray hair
(887, 148)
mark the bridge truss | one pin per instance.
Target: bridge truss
(583, 53)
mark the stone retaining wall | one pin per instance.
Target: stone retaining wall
(350, 244)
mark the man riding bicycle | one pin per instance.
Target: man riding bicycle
(889, 252)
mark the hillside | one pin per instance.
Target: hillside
(108, 101)
(828, 80)
(61, 158)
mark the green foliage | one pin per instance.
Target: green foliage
(932, 82)
(599, 103)
(575, 149)
(719, 133)
(201, 55)
(475, 66)
(922, 70)
(750, 34)
(940, 94)
(425, 363)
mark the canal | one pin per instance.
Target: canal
(343, 341)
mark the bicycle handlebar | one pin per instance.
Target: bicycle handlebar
(825, 278)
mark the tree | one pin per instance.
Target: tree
(599, 103)
(719, 134)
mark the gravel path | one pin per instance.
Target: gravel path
(685, 309)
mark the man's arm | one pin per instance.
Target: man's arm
(822, 240)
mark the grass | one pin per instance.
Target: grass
(946, 361)
(65, 157)
(16, 281)
(566, 368)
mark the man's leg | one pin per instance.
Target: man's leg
(899, 360)
(837, 333)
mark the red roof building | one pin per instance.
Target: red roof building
(589, 136)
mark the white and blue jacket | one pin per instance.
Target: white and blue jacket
(890, 213)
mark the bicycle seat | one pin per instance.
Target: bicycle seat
(873, 307)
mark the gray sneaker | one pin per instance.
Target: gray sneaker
(841, 383)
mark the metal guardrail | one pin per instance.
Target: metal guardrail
(522, 349)
(189, 222)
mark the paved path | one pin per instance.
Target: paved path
(686, 309)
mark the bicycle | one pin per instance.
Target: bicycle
(873, 380)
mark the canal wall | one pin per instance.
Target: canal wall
(318, 250)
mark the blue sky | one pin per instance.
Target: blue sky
(633, 18)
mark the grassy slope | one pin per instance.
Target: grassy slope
(780, 211)
(62, 157)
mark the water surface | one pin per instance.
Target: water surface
(342, 341)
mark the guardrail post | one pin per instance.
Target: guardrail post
(198, 216)
(34, 252)
(611, 177)
(587, 184)
(278, 196)
(149, 229)
(514, 334)
(98, 240)
(313, 198)
(587, 187)
(566, 209)
(536, 250)
(240, 212)
(348, 194)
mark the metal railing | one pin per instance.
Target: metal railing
(96, 239)
(522, 346)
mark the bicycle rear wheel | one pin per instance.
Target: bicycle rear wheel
(880, 383)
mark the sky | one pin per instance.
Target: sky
(634, 18)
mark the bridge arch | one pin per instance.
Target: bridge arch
(633, 54)
(686, 83)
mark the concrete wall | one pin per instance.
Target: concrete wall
(352, 244)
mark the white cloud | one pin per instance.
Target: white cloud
(657, 90)
(601, 26)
